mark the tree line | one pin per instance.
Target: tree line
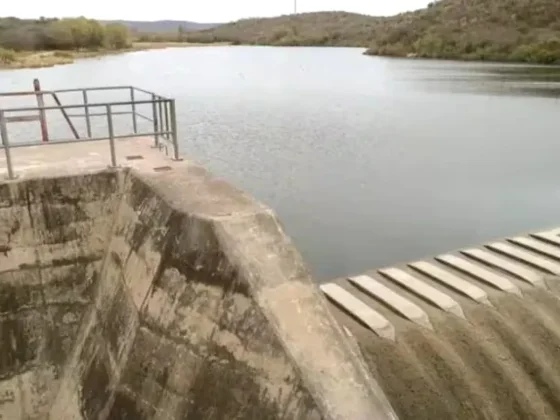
(312, 29)
(501, 30)
(505, 30)
(62, 34)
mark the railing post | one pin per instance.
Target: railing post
(42, 114)
(133, 103)
(111, 136)
(86, 107)
(6, 144)
(155, 119)
(160, 110)
(166, 106)
(172, 111)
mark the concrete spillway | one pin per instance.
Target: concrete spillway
(155, 291)
(473, 334)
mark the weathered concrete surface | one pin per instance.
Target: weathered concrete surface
(53, 237)
(154, 291)
(469, 335)
(136, 293)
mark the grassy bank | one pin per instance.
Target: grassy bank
(38, 59)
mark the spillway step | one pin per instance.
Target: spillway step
(550, 237)
(405, 307)
(452, 281)
(359, 310)
(479, 273)
(424, 290)
(537, 246)
(530, 276)
(520, 254)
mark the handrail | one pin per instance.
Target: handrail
(91, 89)
(93, 139)
(163, 118)
(94, 88)
(89, 105)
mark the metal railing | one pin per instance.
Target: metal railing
(161, 114)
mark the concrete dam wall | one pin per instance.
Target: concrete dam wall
(155, 291)
(150, 290)
(163, 294)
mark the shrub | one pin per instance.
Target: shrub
(7, 56)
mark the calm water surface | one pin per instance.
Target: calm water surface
(368, 161)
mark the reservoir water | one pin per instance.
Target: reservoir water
(368, 161)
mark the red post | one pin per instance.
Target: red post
(42, 116)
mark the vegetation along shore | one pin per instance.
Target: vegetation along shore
(49, 42)
(494, 30)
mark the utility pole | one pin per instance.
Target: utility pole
(295, 7)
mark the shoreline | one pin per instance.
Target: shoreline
(45, 59)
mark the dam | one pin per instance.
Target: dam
(135, 285)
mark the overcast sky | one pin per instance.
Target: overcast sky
(196, 10)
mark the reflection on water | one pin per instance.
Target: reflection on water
(368, 161)
(522, 73)
(529, 80)
(495, 79)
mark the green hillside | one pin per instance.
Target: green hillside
(322, 28)
(504, 30)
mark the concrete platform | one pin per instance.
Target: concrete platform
(85, 156)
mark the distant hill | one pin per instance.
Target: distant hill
(163, 26)
(501, 30)
(321, 28)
